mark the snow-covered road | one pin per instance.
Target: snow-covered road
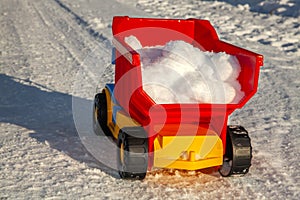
(53, 55)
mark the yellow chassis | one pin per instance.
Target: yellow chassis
(203, 150)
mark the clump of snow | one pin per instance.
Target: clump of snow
(181, 73)
(133, 42)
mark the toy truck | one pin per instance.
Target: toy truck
(188, 136)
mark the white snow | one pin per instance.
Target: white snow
(133, 42)
(181, 73)
(56, 52)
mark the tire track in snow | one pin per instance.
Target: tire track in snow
(89, 49)
(13, 59)
(85, 76)
(41, 14)
(85, 25)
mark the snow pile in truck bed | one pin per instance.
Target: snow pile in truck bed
(181, 73)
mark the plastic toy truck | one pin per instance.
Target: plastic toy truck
(179, 136)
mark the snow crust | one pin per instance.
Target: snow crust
(181, 73)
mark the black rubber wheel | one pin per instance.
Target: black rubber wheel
(132, 153)
(238, 153)
(100, 115)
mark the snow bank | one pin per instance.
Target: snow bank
(181, 73)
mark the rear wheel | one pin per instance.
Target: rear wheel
(100, 114)
(132, 155)
(238, 153)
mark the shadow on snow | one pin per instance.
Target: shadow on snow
(49, 114)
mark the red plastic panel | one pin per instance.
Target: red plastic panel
(250, 64)
(128, 78)
(160, 31)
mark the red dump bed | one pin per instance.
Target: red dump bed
(200, 33)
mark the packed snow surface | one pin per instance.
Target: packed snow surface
(181, 73)
(55, 55)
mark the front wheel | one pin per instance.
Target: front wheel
(132, 153)
(238, 153)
